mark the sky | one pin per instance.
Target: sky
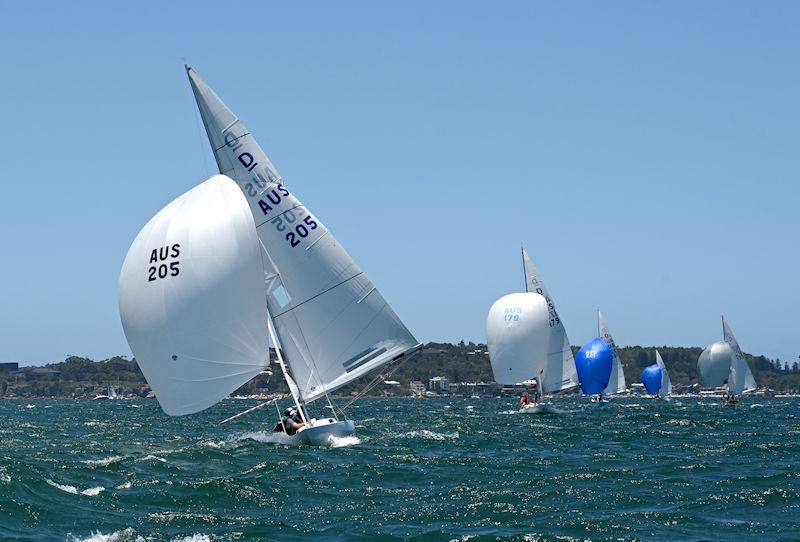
(646, 154)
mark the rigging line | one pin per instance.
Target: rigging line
(391, 368)
(199, 131)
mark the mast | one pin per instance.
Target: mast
(292, 389)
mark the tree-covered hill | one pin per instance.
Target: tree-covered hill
(462, 362)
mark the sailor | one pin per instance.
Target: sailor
(523, 401)
(290, 422)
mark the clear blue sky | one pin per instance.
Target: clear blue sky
(646, 154)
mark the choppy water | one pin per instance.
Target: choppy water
(440, 469)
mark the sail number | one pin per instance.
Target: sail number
(292, 227)
(512, 314)
(160, 265)
(551, 308)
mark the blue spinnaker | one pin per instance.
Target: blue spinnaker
(651, 378)
(594, 362)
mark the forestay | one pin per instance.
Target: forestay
(191, 298)
(331, 321)
(559, 371)
(740, 379)
(616, 383)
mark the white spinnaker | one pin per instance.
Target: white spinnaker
(191, 298)
(666, 384)
(741, 379)
(616, 383)
(559, 371)
(714, 364)
(517, 336)
(331, 322)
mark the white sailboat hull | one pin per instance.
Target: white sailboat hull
(322, 432)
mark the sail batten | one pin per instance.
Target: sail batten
(324, 308)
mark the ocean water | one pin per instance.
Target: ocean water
(438, 469)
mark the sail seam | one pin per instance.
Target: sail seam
(317, 295)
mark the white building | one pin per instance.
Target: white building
(439, 384)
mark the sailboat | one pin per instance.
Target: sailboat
(656, 380)
(239, 261)
(594, 362)
(723, 362)
(111, 394)
(527, 340)
(616, 383)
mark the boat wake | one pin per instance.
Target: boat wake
(342, 442)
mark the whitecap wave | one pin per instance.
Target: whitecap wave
(126, 535)
(264, 436)
(193, 538)
(430, 435)
(30, 406)
(151, 457)
(91, 491)
(126, 485)
(103, 462)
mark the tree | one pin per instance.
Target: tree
(795, 367)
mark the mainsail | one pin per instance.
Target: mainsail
(740, 379)
(191, 298)
(332, 323)
(666, 384)
(559, 371)
(616, 383)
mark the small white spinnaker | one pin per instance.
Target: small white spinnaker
(517, 337)
(191, 298)
(714, 365)
(616, 383)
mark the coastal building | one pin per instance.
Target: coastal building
(9, 367)
(416, 387)
(439, 384)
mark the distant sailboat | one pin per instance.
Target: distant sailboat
(723, 362)
(527, 340)
(656, 379)
(616, 382)
(594, 362)
(111, 394)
